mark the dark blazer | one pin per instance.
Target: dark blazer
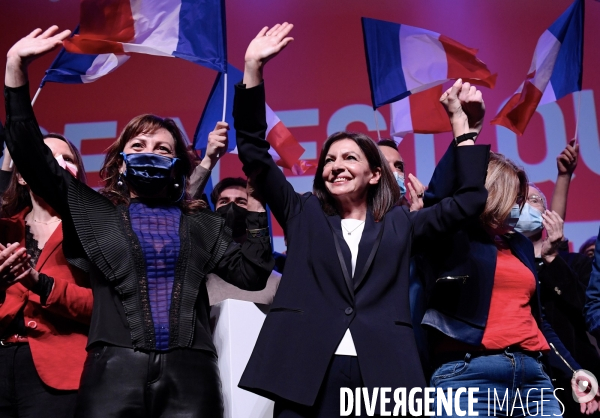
(317, 299)
(592, 295)
(99, 239)
(460, 270)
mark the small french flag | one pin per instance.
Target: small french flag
(285, 149)
(556, 70)
(190, 29)
(403, 59)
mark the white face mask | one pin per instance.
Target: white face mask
(70, 167)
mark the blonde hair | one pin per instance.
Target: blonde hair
(506, 184)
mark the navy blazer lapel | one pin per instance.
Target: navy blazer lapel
(518, 246)
(367, 248)
(342, 250)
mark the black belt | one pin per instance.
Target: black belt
(448, 356)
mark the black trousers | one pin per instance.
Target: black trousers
(22, 392)
(343, 371)
(119, 382)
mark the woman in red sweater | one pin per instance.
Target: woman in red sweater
(45, 303)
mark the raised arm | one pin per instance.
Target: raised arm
(251, 126)
(566, 164)
(216, 147)
(6, 169)
(462, 194)
(23, 136)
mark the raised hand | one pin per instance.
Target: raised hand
(553, 224)
(216, 145)
(465, 107)
(29, 48)
(266, 45)
(566, 162)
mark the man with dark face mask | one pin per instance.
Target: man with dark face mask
(230, 198)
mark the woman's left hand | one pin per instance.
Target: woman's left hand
(554, 229)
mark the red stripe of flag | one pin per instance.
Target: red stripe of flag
(427, 113)
(104, 24)
(284, 143)
(463, 63)
(518, 111)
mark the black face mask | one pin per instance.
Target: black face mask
(235, 218)
(149, 174)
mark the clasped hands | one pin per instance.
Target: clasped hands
(15, 268)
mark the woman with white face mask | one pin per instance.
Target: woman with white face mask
(563, 278)
(486, 324)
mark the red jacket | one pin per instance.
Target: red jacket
(57, 331)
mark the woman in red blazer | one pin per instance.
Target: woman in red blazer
(45, 303)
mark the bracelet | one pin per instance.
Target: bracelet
(464, 137)
(258, 233)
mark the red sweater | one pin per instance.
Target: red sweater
(510, 322)
(57, 331)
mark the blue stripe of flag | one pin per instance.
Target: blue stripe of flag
(202, 33)
(213, 110)
(384, 63)
(568, 69)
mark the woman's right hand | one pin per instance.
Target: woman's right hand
(216, 147)
(266, 45)
(465, 107)
(29, 48)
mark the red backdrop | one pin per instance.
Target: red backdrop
(320, 84)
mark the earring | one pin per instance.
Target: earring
(120, 182)
(176, 185)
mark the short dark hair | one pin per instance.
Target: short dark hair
(381, 197)
(226, 183)
(387, 142)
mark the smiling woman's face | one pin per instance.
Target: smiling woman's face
(346, 172)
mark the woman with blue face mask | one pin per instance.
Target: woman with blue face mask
(147, 247)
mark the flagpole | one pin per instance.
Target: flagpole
(37, 93)
(224, 98)
(577, 117)
(377, 124)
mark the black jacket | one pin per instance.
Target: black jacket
(99, 239)
(317, 299)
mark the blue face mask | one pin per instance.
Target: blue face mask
(400, 180)
(513, 218)
(149, 174)
(530, 221)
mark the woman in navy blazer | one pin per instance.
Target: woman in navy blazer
(319, 299)
(474, 341)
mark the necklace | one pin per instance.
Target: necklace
(350, 232)
(46, 223)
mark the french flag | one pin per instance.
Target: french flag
(420, 113)
(285, 149)
(556, 70)
(190, 29)
(81, 68)
(403, 59)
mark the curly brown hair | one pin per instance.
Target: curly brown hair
(143, 125)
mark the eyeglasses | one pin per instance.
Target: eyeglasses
(534, 199)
